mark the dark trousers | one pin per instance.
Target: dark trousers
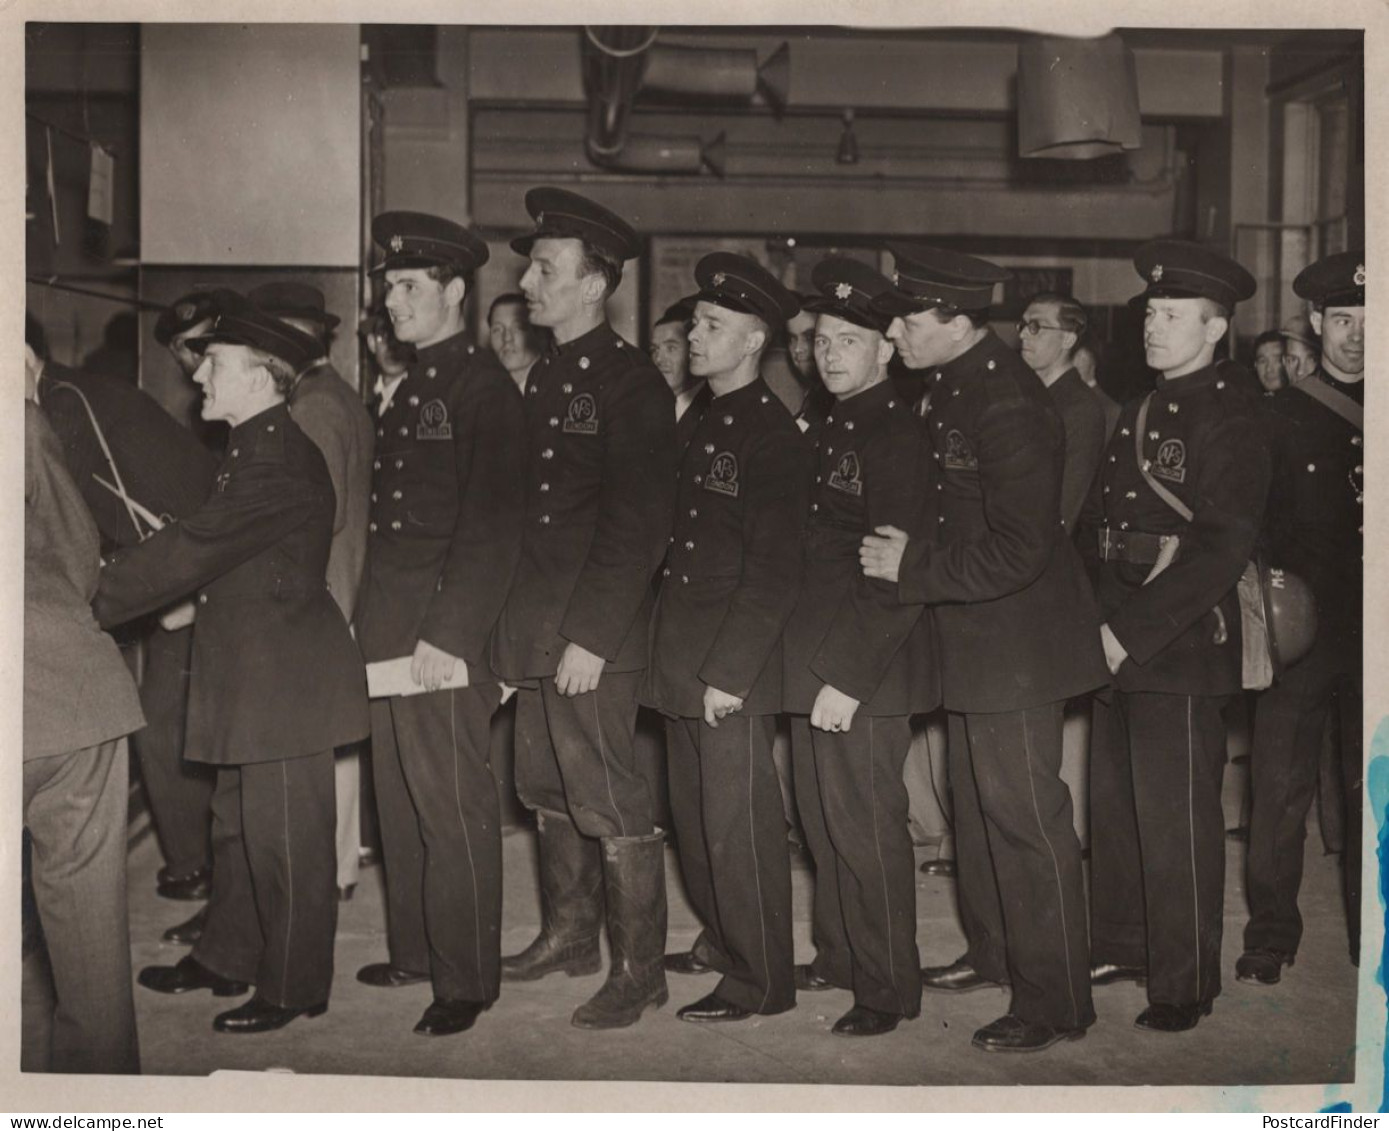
(274, 905)
(75, 811)
(179, 792)
(402, 845)
(1118, 919)
(1019, 882)
(1162, 760)
(730, 826)
(1288, 725)
(443, 740)
(577, 756)
(853, 805)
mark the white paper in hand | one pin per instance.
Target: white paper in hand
(387, 678)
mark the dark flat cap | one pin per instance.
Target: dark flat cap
(561, 214)
(240, 322)
(846, 289)
(1180, 269)
(187, 312)
(933, 276)
(1337, 280)
(679, 311)
(417, 239)
(293, 300)
(736, 282)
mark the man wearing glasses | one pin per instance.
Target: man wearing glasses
(1048, 333)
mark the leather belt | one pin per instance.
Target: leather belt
(1130, 546)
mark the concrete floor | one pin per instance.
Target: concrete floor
(1301, 1031)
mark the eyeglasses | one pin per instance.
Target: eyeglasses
(1035, 326)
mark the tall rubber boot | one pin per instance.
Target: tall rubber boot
(634, 876)
(571, 905)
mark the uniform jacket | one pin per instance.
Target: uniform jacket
(872, 468)
(275, 673)
(445, 520)
(734, 566)
(599, 471)
(1315, 509)
(334, 418)
(78, 691)
(163, 465)
(1082, 417)
(1206, 443)
(1015, 617)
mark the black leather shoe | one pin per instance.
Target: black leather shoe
(259, 1016)
(957, 978)
(387, 977)
(685, 962)
(445, 1017)
(189, 974)
(864, 1021)
(1107, 973)
(1262, 966)
(807, 979)
(945, 869)
(1165, 1018)
(189, 931)
(195, 885)
(711, 1007)
(1013, 1034)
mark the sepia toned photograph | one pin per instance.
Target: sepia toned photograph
(790, 554)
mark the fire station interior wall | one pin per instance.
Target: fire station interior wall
(250, 148)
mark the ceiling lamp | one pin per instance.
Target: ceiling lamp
(1077, 98)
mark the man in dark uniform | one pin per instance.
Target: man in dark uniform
(111, 431)
(600, 483)
(858, 664)
(1314, 529)
(1016, 621)
(1166, 584)
(729, 583)
(443, 539)
(332, 415)
(277, 682)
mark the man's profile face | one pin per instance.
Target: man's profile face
(1269, 368)
(670, 350)
(1342, 332)
(719, 339)
(552, 283)
(226, 374)
(922, 339)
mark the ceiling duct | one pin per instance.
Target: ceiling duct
(622, 62)
(1077, 98)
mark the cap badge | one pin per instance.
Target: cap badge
(896, 279)
(185, 311)
(843, 291)
(539, 220)
(1156, 273)
(397, 242)
(1360, 275)
(719, 279)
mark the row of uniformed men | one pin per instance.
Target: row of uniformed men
(531, 562)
